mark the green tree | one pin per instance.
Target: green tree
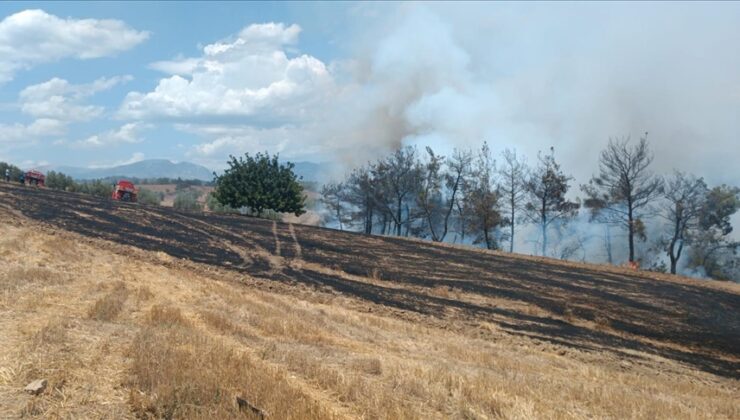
(60, 181)
(685, 199)
(513, 174)
(397, 177)
(97, 188)
(260, 183)
(15, 172)
(711, 245)
(429, 197)
(547, 187)
(332, 197)
(481, 201)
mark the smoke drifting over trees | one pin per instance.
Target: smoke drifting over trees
(545, 75)
(530, 76)
(468, 198)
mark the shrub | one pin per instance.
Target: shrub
(150, 197)
(188, 200)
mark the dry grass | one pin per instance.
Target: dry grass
(166, 316)
(369, 365)
(18, 278)
(185, 345)
(182, 373)
(54, 333)
(109, 306)
(144, 294)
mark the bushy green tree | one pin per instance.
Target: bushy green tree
(97, 188)
(60, 181)
(15, 172)
(260, 183)
(481, 200)
(712, 248)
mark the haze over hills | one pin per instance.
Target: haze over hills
(150, 168)
(163, 168)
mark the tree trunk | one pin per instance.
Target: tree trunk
(544, 226)
(672, 247)
(449, 210)
(511, 238)
(408, 221)
(398, 217)
(368, 218)
(544, 239)
(608, 245)
(462, 222)
(678, 255)
(485, 234)
(435, 238)
(631, 231)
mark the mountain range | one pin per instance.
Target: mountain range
(163, 168)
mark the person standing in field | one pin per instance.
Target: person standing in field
(7, 174)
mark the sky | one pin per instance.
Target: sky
(101, 84)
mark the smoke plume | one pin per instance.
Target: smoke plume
(532, 76)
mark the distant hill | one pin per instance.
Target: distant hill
(151, 168)
(162, 168)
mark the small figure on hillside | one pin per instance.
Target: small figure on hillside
(7, 174)
(22, 178)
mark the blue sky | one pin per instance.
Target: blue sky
(171, 30)
(97, 84)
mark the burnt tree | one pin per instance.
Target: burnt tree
(625, 188)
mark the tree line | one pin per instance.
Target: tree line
(470, 197)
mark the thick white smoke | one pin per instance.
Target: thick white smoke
(530, 76)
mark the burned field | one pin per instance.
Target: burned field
(630, 315)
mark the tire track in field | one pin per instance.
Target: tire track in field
(277, 239)
(296, 244)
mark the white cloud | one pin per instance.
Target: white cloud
(224, 140)
(181, 66)
(59, 99)
(248, 75)
(55, 104)
(127, 133)
(42, 127)
(33, 37)
(296, 143)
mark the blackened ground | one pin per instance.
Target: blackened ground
(683, 320)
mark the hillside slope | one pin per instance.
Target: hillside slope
(341, 325)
